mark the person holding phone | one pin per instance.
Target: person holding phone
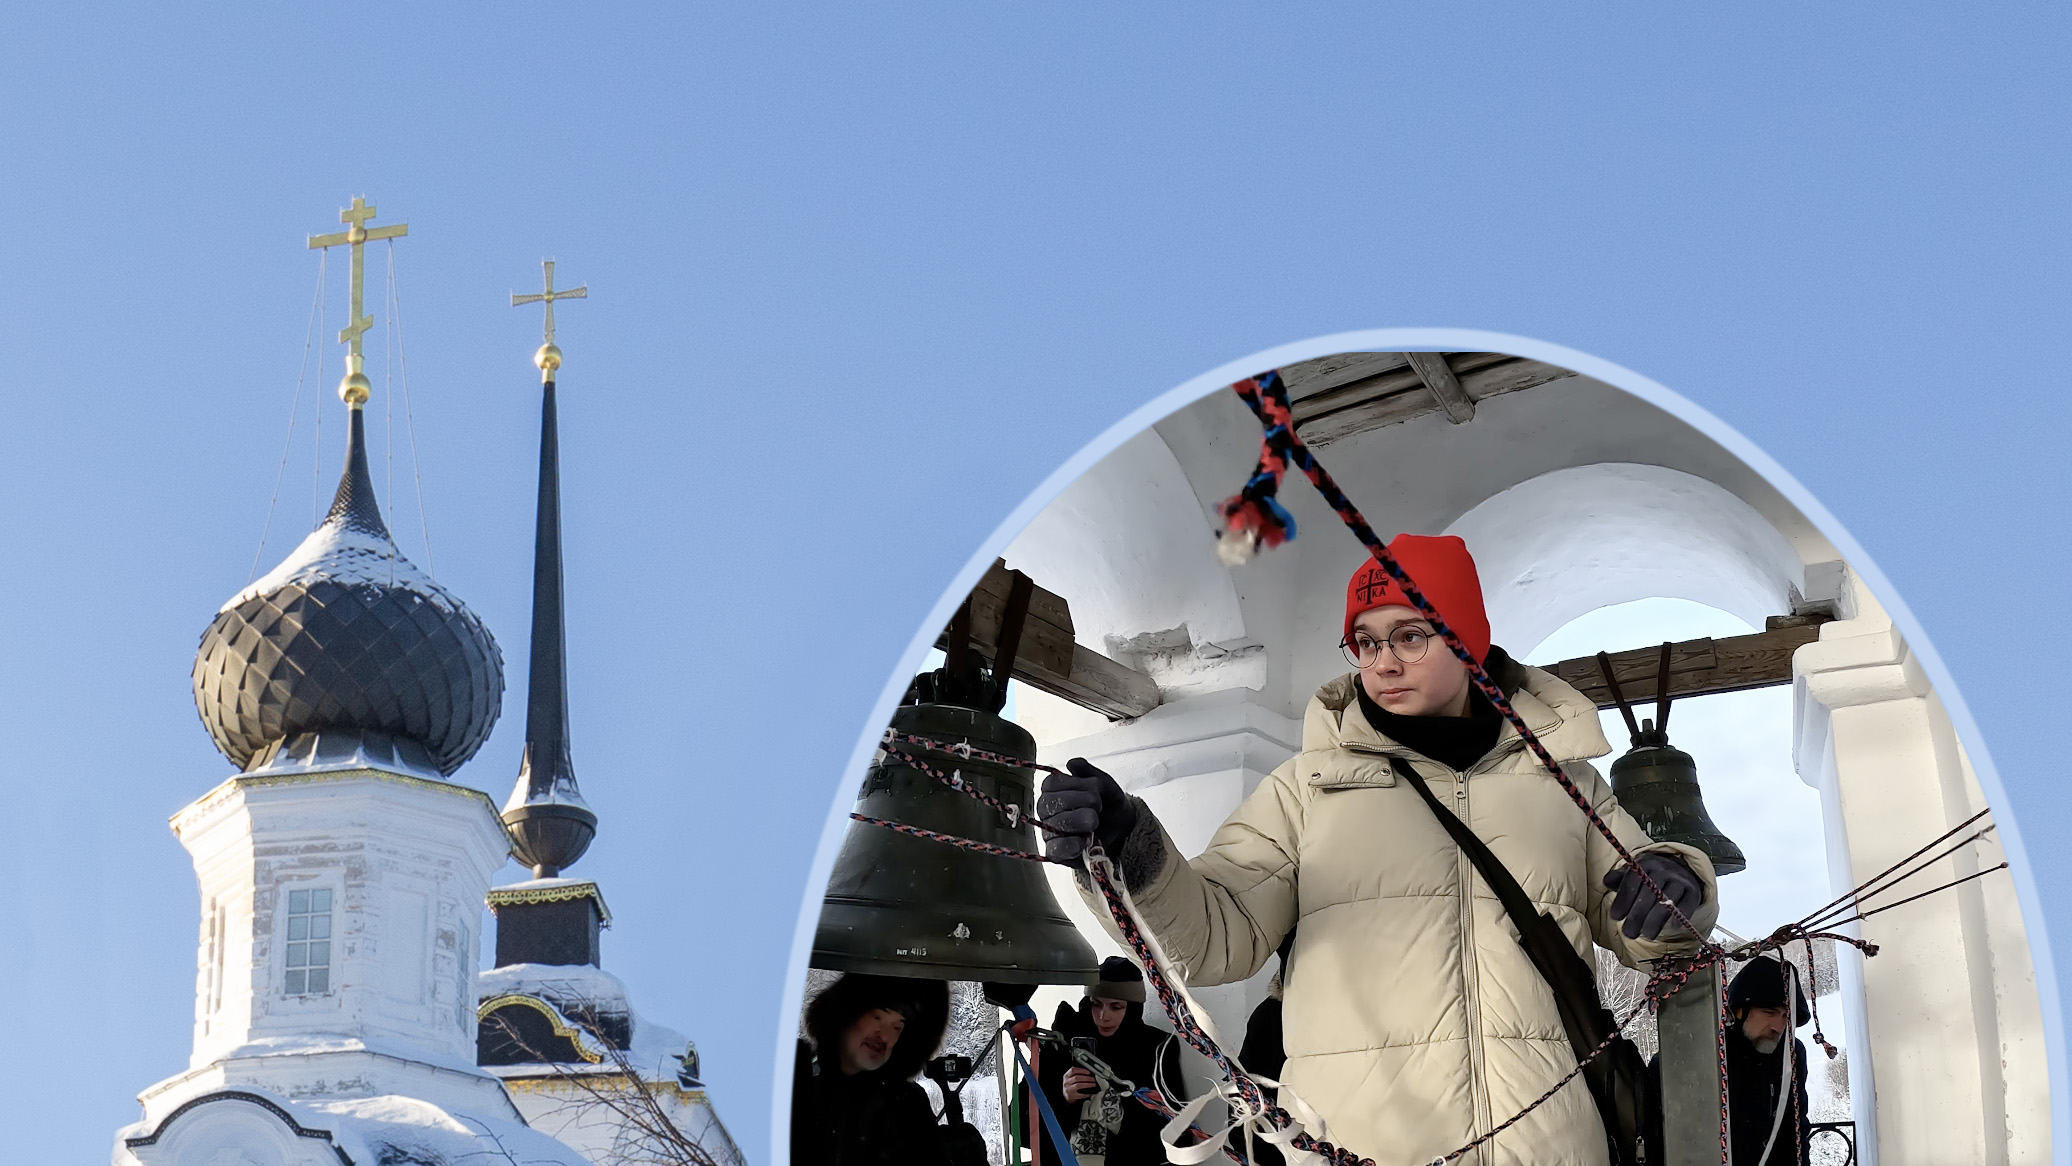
(1413, 1019)
(1104, 1127)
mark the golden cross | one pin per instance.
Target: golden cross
(548, 358)
(355, 235)
(550, 295)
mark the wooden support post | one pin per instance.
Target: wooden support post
(1432, 369)
(1689, 1025)
(1044, 655)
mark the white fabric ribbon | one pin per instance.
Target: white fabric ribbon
(1252, 1123)
(1248, 1123)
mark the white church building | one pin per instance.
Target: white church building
(340, 1017)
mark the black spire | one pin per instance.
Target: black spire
(354, 505)
(550, 825)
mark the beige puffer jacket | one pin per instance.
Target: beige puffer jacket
(1414, 1020)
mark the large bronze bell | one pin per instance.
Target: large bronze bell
(907, 906)
(1657, 783)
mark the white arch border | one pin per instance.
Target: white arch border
(835, 828)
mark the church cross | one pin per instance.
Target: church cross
(356, 235)
(550, 295)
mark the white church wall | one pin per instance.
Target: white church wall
(404, 861)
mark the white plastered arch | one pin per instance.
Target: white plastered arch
(1568, 542)
(1128, 542)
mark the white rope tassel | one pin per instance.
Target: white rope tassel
(1253, 1123)
(1248, 1123)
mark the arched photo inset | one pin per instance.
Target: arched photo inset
(1446, 754)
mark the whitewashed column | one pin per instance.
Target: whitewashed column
(1944, 1032)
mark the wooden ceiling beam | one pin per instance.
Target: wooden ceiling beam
(1697, 667)
(1047, 657)
(1431, 368)
(1399, 395)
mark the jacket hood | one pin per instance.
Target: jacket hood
(926, 1004)
(1562, 718)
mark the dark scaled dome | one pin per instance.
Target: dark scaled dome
(348, 646)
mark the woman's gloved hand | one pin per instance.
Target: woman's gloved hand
(1082, 802)
(1644, 914)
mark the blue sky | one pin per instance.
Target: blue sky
(860, 279)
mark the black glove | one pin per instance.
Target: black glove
(963, 1145)
(1083, 801)
(1644, 914)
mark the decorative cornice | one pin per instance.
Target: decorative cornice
(245, 782)
(578, 1038)
(265, 1103)
(522, 896)
(529, 1079)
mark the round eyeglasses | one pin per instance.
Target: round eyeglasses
(1407, 643)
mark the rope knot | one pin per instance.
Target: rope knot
(1253, 518)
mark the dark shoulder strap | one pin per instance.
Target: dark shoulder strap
(1516, 903)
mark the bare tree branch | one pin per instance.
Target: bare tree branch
(648, 1133)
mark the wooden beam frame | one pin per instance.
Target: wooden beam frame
(1698, 667)
(1336, 397)
(1432, 370)
(1047, 657)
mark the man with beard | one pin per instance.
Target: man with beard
(1766, 1003)
(1106, 1128)
(854, 1101)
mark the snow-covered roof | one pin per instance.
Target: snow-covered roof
(657, 1050)
(387, 1129)
(569, 987)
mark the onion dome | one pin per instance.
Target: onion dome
(348, 653)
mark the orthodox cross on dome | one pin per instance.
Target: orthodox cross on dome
(548, 358)
(354, 388)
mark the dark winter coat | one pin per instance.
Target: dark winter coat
(869, 1119)
(1132, 1052)
(1753, 1081)
(881, 1118)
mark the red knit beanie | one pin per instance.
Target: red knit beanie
(1443, 570)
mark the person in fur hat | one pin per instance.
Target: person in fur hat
(854, 1101)
(1105, 1128)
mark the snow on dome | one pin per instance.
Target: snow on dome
(346, 553)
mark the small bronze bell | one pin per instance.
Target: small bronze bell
(906, 906)
(1658, 784)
